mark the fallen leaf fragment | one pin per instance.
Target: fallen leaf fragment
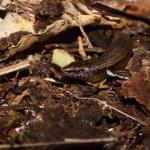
(140, 7)
(115, 4)
(62, 58)
(138, 87)
(53, 29)
(140, 61)
(14, 23)
(18, 98)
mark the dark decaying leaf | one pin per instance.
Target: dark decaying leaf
(46, 12)
(138, 87)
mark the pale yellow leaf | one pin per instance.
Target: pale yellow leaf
(62, 58)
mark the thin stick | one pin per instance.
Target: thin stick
(91, 140)
(81, 49)
(53, 29)
(99, 6)
(66, 142)
(77, 19)
(83, 7)
(108, 106)
(19, 66)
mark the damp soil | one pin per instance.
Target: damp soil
(34, 110)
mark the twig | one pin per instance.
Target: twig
(53, 29)
(19, 66)
(73, 48)
(91, 140)
(99, 6)
(105, 105)
(66, 142)
(77, 19)
(81, 49)
(83, 7)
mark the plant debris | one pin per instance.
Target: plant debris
(74, 74)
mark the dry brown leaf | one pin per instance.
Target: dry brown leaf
(121, 4)
(14, 22)
(51, 30)
(140, 60)
(140, 7)
(138, 87)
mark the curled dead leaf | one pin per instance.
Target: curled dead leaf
(51, 30)
(138, 86)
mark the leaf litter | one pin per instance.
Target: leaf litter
(40, 108)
